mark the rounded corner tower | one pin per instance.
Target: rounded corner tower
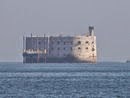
(85, 49)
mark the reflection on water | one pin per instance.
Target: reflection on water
(103, 80)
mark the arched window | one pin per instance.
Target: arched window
(93, 49)
(87, 42)
(79, 42)
(79, 48)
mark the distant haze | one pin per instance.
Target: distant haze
(111, 19)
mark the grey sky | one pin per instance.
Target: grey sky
(111, 19)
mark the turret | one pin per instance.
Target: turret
(91, 31)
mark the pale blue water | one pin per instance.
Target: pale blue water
(102, 80)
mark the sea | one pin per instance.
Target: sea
(65, 80)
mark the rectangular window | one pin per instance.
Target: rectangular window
(64, 43)
(71, 48)
(58, 42)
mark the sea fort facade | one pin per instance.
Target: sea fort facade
(60, 49)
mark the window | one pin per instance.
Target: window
(71, 48)
(92, 42)
(64, 48)
(79, 48)
(64, 43)
(52, 42)
(86, 48)
(58, 42)
(86, 42)
(93, 49)
(39, 43)
(79, 42)
(58, 48)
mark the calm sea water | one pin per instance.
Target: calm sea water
(102, 80)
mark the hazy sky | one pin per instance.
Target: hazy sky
(111, 19)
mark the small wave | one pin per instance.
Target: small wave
(61, 74)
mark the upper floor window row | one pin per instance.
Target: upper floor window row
(63, 43)
(86, 42)
(70, 43)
